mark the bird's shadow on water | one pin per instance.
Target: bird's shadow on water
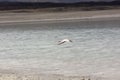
(64, 46)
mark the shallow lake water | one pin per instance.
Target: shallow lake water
(32, 47)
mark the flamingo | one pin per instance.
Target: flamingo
(63, 41)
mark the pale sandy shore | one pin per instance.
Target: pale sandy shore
(14, 76)
(11, 17)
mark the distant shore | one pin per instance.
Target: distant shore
(11, 17)
(58, 6)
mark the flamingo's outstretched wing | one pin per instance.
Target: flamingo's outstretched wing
(61, 43)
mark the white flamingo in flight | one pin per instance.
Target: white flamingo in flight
(63, 41)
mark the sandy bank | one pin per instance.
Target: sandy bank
(44, 77)
(10, 17)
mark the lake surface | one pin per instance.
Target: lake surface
(32, 47)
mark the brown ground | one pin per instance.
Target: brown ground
(11, 16)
